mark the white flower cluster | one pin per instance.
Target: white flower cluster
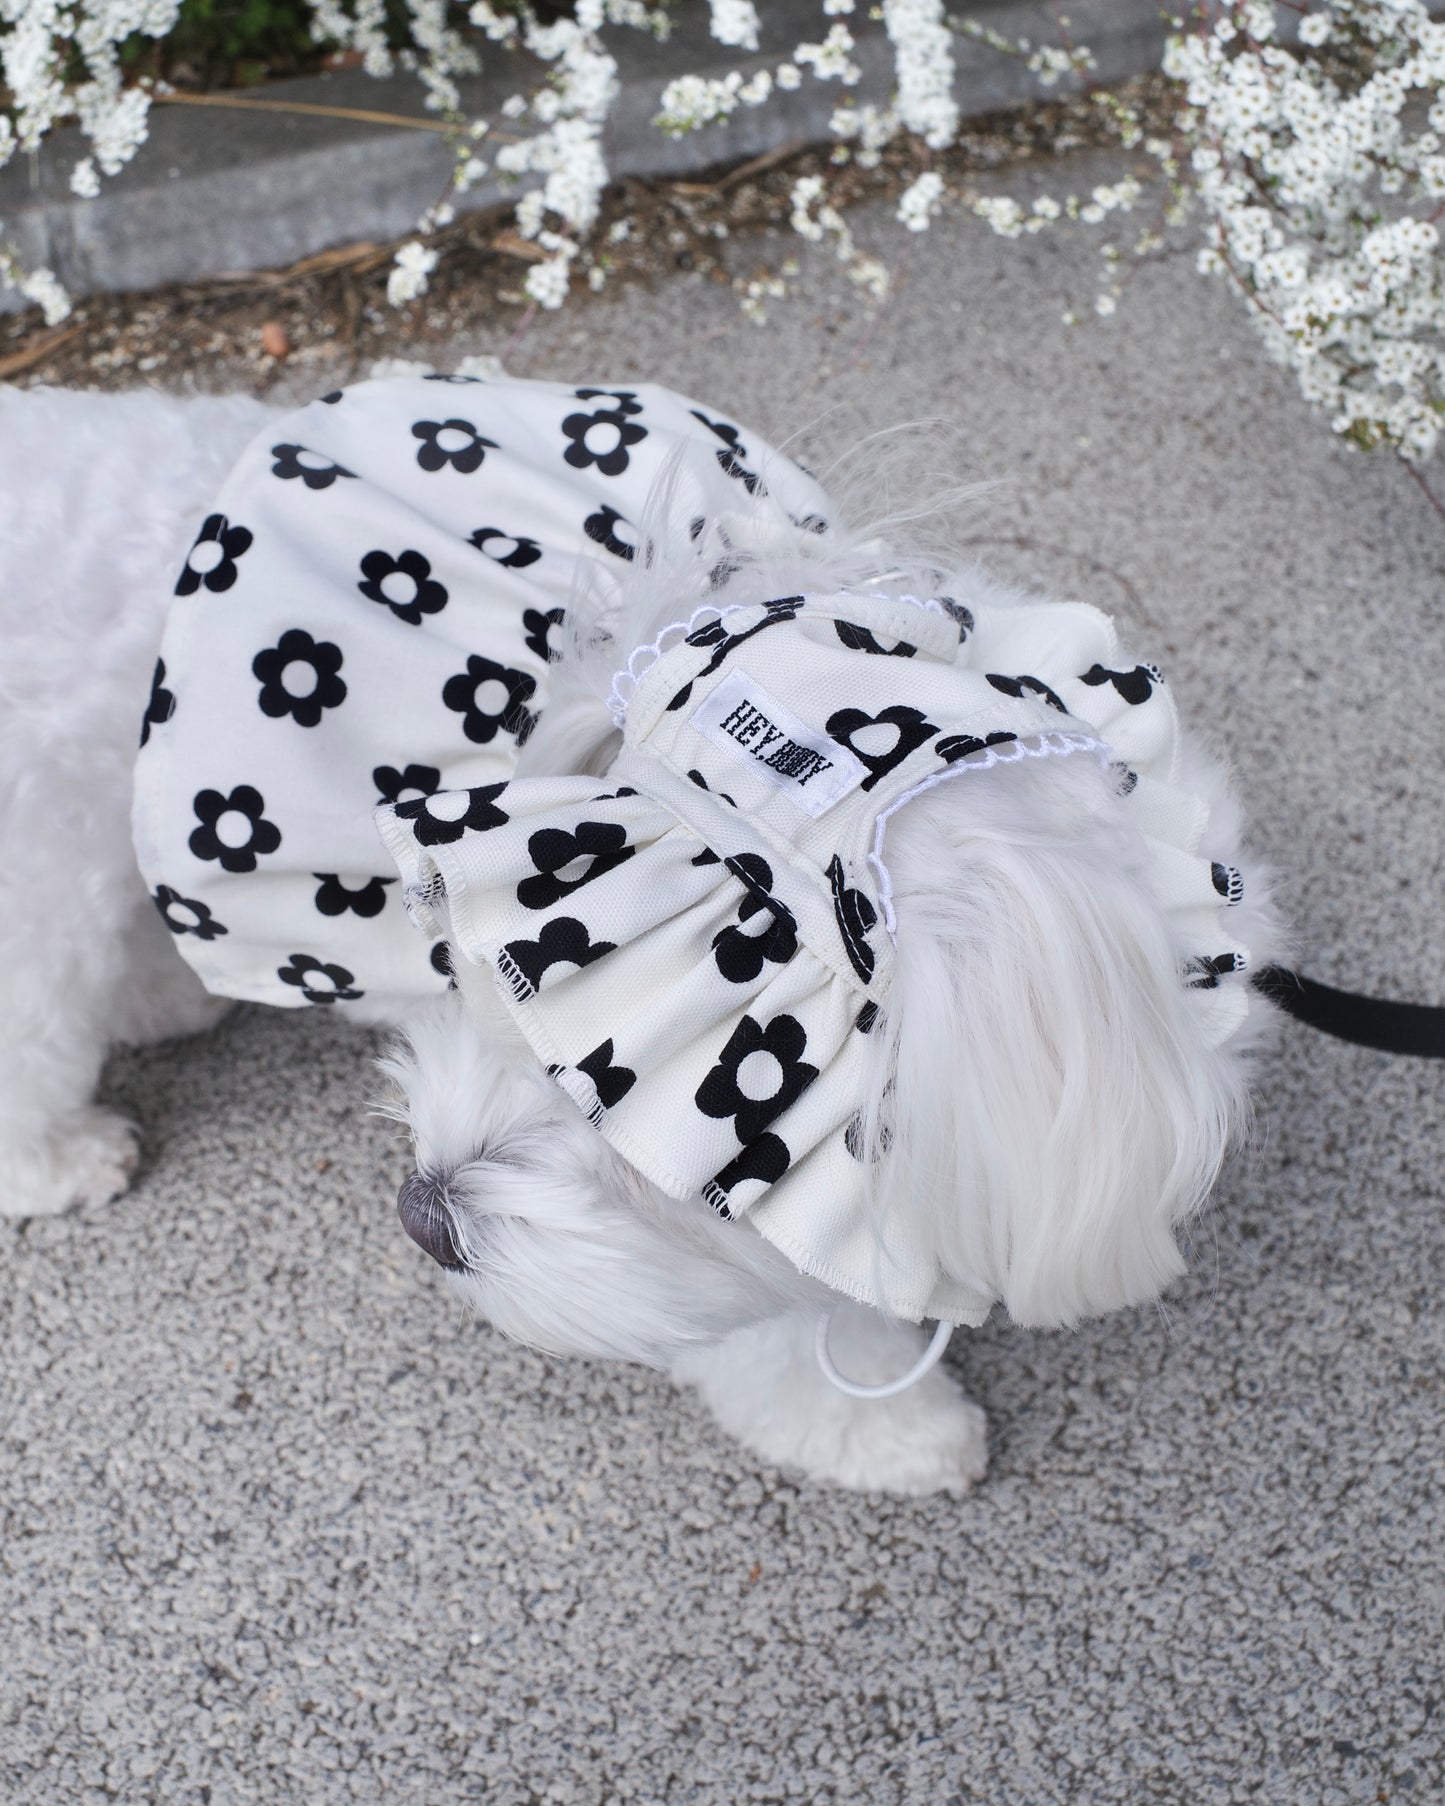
(1321, 184)
(923, 52)
(40, 43)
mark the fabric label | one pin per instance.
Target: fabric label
(755, 729)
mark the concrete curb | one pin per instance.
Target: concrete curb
(214, 192)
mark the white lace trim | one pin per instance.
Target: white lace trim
(642, 658)
(1048, 745)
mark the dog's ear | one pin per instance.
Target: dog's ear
(1040, 1100)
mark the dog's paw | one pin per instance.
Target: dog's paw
(89, 1159)
(764, 1386)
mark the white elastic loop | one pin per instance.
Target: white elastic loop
(928, 1360)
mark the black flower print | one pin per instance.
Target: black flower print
(184, 916)
(953, 747)
(601, 528)
(866, 1018)
(1204, 973)
(162, 704)
(439, 376)
(515, 550)
(299, 678)
(1134, 686)
(714, 634)
(1228, 880)
(566, 861)
(857, 1143)
(564, 941)
(441, 817)
(440, 959)
(613, 1082)
(395, 786)
(694, 776)
(964, 616)
(759, 1074)
(1126, 781)
(602, 439)
(741, 951)
(855, 916)
(234, 829)
(538, 626)
(212, 559)
(859, 639)
(766, 1159)
(315, 469)
(490, 698)
(732, 453)
(319, 983)
(403, 584)
(883, 740)
(333, 898)
(454, 442)
(1025, 686)
(624, 401)
(332, 399)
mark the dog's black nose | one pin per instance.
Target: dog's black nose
(427, 1218)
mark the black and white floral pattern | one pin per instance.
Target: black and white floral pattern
(763, 1160)
(539, 627)
(732, 454)
(183, 915)
(162, 704)
(319, 981)
(602, 439)
(454, 444)
(601, 527)
(334, 897)
(564, 941)
(491, 699)
(766, 931)
(1020, 687)
(952, 748)
(856, 917)
(405, 786)
(759, 1074)
(612, 1081)
(514, 550)
(234, 830)
(299, 677)
(315, 469)
(403, 583)
(438, 819)
(884, 740)
(212, 559)
(566, 860)
(1135, 686)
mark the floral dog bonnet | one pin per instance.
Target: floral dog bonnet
(697, 946)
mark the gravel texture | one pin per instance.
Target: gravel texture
(277, 1527)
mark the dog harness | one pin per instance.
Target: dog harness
(698, 946)
(368, 616)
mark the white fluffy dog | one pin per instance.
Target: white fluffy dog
(1046, 1101)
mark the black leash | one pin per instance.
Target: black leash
(1398, 1028)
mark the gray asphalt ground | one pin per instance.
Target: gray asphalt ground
(277, 1526)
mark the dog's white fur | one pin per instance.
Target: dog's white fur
(1038, 1101)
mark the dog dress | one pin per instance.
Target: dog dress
(368, 616)
(698, 945)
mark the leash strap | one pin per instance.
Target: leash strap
(1398, 1028)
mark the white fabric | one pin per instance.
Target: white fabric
(368, 615)
(697, 946)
